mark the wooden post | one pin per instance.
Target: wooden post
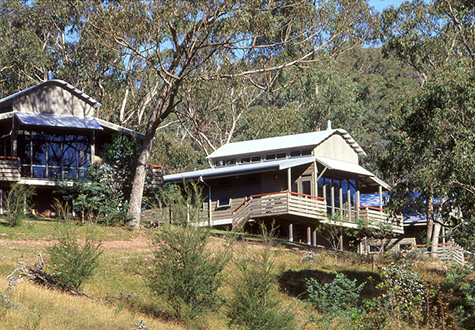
(341, 242)
(348, 197)
(341, 203)
(333, 198)
(291, 232)
(357, 204)
(380, 197)
(289, 179)
(309, 235)
(1, 201)
(314, 238)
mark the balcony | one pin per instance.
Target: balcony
(308, 209)
(279, 204)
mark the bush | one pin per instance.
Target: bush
(254, 303)
(72, 262)
(17, 203)
(342, 293)
(185, 273)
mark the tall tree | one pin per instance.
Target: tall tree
(432, 147)
(193, 41)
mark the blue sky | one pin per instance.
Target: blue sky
(379, 5)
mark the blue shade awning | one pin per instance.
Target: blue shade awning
(42, 119)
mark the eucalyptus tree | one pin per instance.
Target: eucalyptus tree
(427, 35)
(432, 147)
(188, 42)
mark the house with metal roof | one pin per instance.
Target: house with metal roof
(48, 135)
(298, 181)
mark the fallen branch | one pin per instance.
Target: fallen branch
(38, 276)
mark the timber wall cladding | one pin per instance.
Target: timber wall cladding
(53, 100)
(9, 169)
(335, 147)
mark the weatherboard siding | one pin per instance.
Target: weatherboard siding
(53, 100)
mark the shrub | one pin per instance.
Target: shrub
(402, 300)
(341, 293)
(17, 203)
(254, 303)
(185, 273)
(72, 262)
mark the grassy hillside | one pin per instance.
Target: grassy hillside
(119, 297)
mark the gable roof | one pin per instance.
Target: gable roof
(303, 140)
(56, 82)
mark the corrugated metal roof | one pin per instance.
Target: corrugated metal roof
(56, 82)
(311, 139)
(339, 165)
(250, 168)
(42, 119)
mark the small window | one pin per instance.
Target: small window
(270, 157)
(246, 160)
(373, 249)
(295, 153)
(306, 152)
(218, 163)
(231, 161)
(224, 202)
(256, 159)
(281, 155)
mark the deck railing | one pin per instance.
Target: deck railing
(307, 206)
(445, 251)
(279, 203)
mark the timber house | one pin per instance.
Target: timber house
(49, 135)
(298, 181)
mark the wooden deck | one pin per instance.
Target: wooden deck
(308, 208)
(9, 169)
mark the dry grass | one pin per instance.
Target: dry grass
(121, 298)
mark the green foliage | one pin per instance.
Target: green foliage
(432, 144)
(18, 203)
(403, 298)
(461, 282)
(102, 195)
(340, 294)
(71, 261)
(185, 273)
(254, 303)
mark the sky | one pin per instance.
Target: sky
(379, 5)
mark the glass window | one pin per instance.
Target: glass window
(54, 156)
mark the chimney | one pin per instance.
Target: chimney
(329, 125)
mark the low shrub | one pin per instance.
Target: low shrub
(71, 261)
(254, 303)
(17, 203)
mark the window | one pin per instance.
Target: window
(306, 152)
(53, 156)
(231, 161)
(224, 202)
(295, 153)
(281, 155)
(246, 160)
(270, 157)
(256, 159)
